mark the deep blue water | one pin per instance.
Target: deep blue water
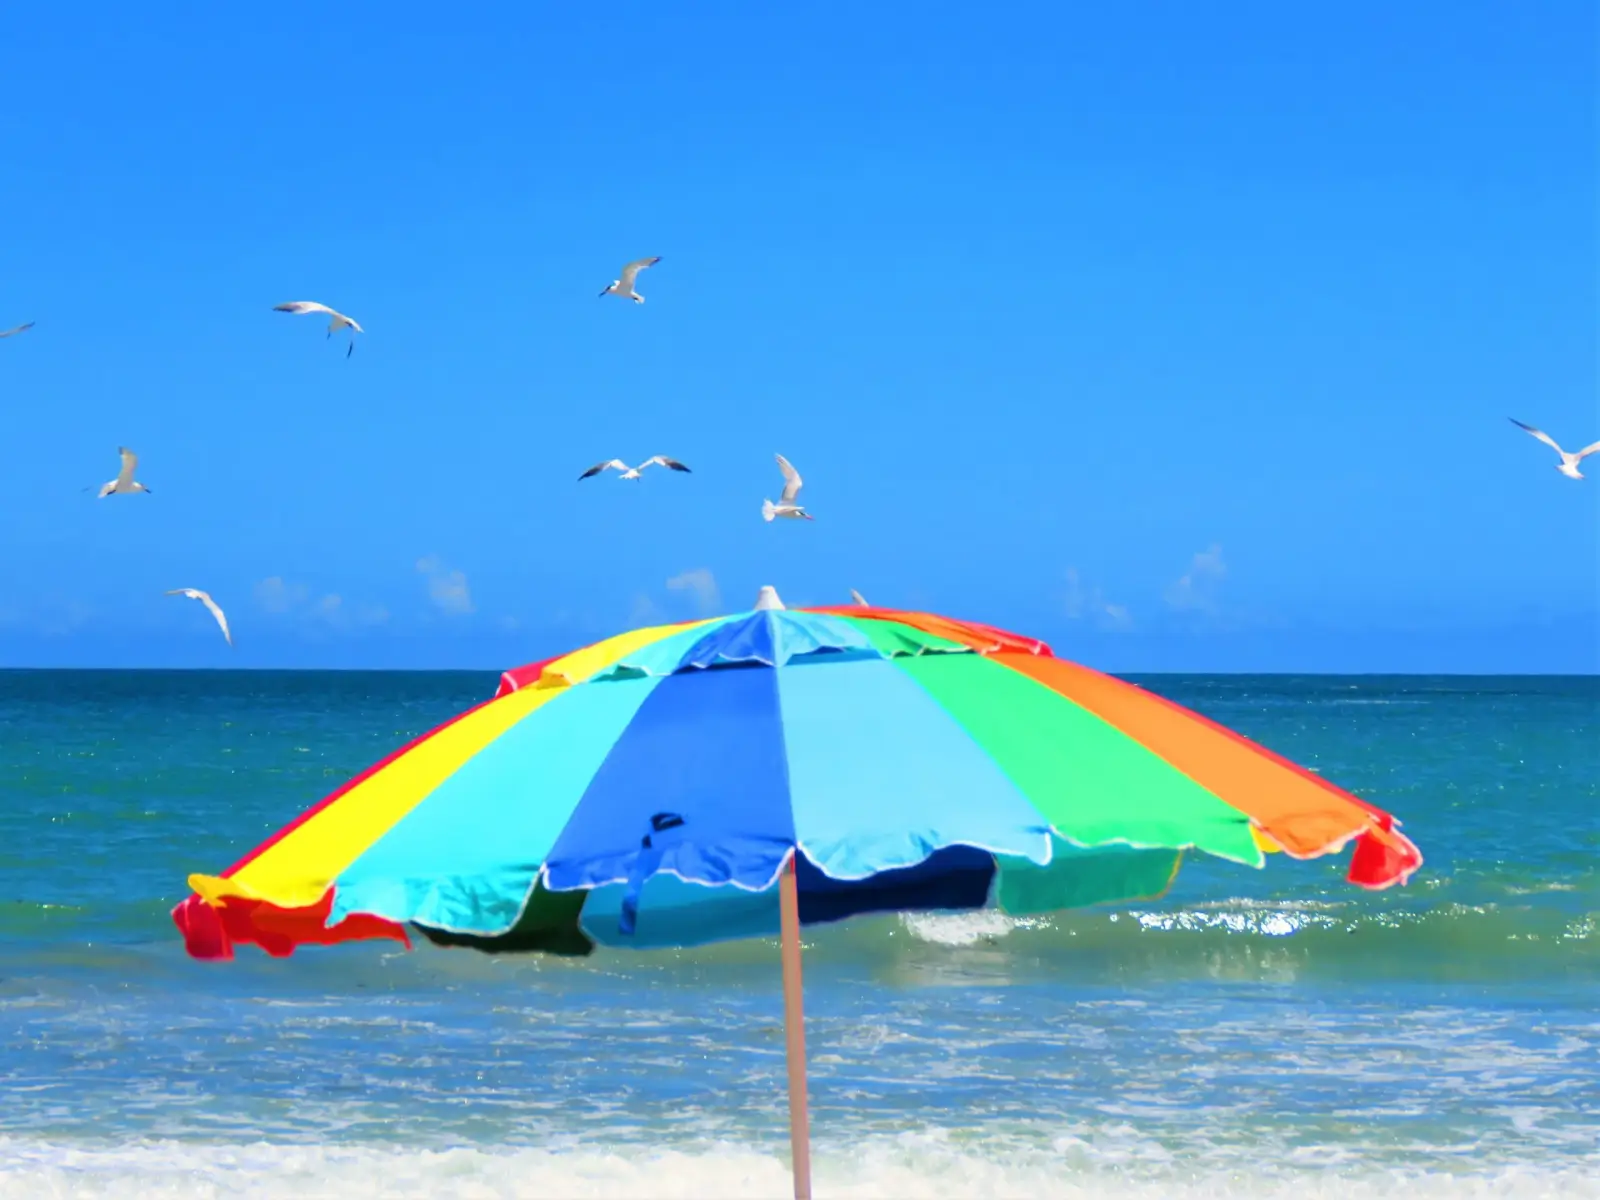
(1253, 1033)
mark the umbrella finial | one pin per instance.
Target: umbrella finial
(768, 599)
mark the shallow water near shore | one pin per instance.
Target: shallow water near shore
(1253, 1033)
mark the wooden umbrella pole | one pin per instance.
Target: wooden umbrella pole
(794, 1031)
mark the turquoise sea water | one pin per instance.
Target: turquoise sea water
(1254, 1033)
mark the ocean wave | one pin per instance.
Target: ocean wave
(928, 1165)
(1229, 938)
(1549, 931)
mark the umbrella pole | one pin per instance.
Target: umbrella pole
(794, 1031)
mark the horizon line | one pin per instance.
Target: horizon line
(1446, 674)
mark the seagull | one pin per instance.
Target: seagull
(633, 472)
(624, 286)
(124, 483)
(205, 598)
(339, 320)
(786, 507)
(12, 332)
(860, 600)
(1568, 465)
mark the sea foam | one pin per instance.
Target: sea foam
(900, 1169)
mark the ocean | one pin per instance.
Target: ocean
(1253, 1033)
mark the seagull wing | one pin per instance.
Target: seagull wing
(859, 598)
(631, 271)
(670, 463)
(1540, 434)
(791, 480)
(598, 467)
(130, 461)
(304, 306)
(1593, 448)
(12, 332)
(205, 598)
(216, 612)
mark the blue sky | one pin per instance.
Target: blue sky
(1183, 340)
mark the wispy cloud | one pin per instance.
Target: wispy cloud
(1087, 602)
(53, 615)
(281, 597)
(276, 596)
(65, 618)
(447, 587)
(1196, 589)
(1116, 617)
(702, 585)
(644, 612)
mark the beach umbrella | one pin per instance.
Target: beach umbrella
(751, 774)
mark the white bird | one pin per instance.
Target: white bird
(624, 286)
(124, 483)
(16, 329)
(1568, 465)
(786, 507)
(859, 598)
(205, 598)
(633, 472)
(336, 322)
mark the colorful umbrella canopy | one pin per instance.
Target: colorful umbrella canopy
(649, 789)
(754, 773)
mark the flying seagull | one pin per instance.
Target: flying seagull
(124, 483)
(633, 472)
(786, 507)
(12, 332)
(336, 322)
(205, 598)
(859, 599)
(624, 286)
(1568, 465)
